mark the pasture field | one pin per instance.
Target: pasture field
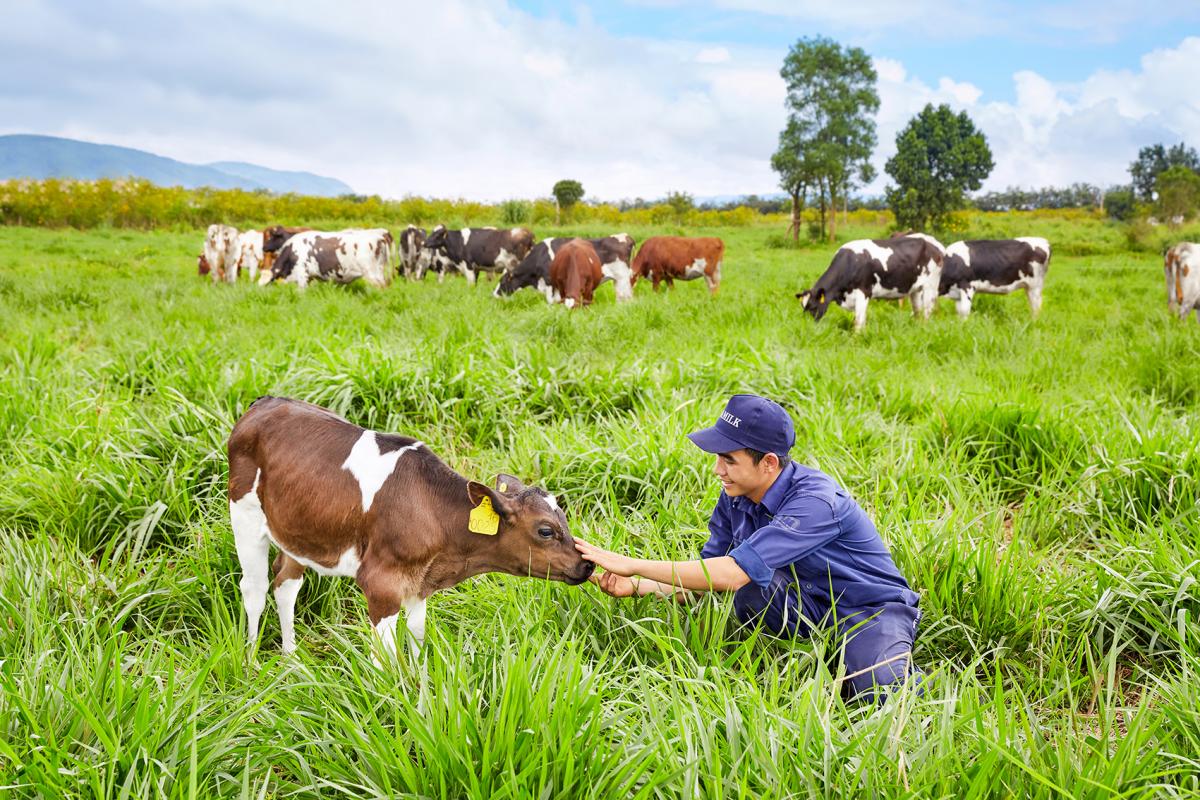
(1036, 481)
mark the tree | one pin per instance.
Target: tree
(1178, 190)
(830, 131)
(1155, 159)
(566, 194)
(681, 203)
(940, 156)
(1120, 203)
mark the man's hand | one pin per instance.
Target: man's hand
(610, 562)
(613, 584)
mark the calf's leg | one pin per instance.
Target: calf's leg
(249, 535)
(289, 575)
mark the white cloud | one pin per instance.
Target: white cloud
(470, 98)
(1059, 133)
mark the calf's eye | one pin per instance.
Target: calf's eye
(545, 531)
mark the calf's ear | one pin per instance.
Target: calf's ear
(476, 492)
(509, 484)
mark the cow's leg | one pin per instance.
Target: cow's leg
(250, 537)
(713, 283)
(962, 304)
(470, 275)
(289, 575)
(414, 614)
(859, 300)
(1033, 291)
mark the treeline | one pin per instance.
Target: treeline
(138, 203)
(1014, 198)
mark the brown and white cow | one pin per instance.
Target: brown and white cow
(615, 253)
(995, 266)
(380, 508)
(221, 252)
(475, 250)
(1181, 266)
(273, 239)
(250, 253)
(671, 258)
(575, 273)
(905, 266)
(411, 239)
(338, 256)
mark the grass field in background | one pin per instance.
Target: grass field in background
(1036, 481)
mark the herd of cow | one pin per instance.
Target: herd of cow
(566, 270)
(910, 265)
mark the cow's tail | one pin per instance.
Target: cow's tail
(573, 287)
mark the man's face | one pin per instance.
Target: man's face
(740, 476)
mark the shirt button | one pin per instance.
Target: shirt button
(808, 586)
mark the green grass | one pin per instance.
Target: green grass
(1035, 480)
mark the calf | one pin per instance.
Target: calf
(615, 253)
(995, 266)
(1182, 268)
(380, 508)
(575, 273)
(250, 253)
(906, 266)
(411, 239)
(475, 250)
(221, 252)
(341, 257)
(273, 239)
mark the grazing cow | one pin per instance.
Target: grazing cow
(380, 508)
(667, 258)
(474, 250)
(250, 253)
(615, 254)
(221, 252)
(906, 266)
(995, 266)
(575, 273)
(411, 239)
(341, 257)
(273, 239)
(1182, 268)
(202, 265)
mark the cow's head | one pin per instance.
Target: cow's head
(533, 537)
(526, 274)
(815, 301)
(202, 265)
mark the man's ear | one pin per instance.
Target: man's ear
(771, 460)
(477, 491)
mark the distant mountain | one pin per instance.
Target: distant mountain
(30, 156)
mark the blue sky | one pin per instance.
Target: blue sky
(493, 99)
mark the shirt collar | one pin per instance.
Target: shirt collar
(774, 496)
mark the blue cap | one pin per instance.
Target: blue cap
(748, 421)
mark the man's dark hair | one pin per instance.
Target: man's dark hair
(758, 455)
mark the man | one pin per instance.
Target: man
(792, 544)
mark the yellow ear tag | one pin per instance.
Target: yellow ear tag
(484, 518)
(504, 487)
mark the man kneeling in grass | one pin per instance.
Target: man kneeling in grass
(792, 545)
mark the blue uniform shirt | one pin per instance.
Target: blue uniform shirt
(811, 528)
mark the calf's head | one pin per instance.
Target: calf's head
(532, 537)
(202, 265)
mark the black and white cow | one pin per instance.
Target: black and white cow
(475, 250)
(615, 253)
(906, 266)
(338, 256)
(411, 239)
(995, 266)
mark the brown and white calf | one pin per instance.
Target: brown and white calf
(380, 508)
(1181, 266)
(575, 273)
(671, 258)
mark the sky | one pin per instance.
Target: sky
(495, 99)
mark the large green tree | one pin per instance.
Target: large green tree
(566, 193)
(940, 156)
(1156, 159)
(830, 132)
(1178, 190)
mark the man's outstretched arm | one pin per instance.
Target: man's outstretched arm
(716, 574)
